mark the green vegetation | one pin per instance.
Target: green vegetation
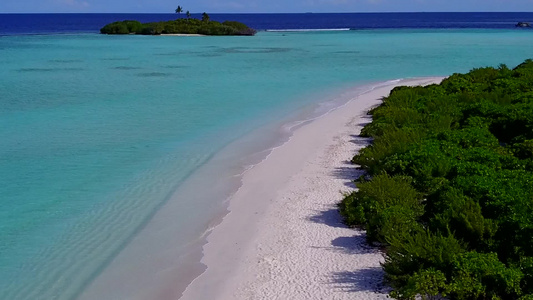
(449, 186)
(179, 26)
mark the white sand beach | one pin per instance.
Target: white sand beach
(182, 34)
(283, 238)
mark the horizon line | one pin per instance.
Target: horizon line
(251, 13)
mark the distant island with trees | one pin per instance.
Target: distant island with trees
(186, 25)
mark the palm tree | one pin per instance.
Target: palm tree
(205, 17)
(179, 10)
(188, 13)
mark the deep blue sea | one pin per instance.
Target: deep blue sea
(119, 153)
(91, 23)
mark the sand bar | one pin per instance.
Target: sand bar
(283, 237)
(182, 34)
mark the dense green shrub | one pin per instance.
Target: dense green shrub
(383, 206)
(449, 186)
(484, 276)
(124, 27)
(115, 28)
(179, 26)
(428, 284)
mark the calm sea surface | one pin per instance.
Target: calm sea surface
(90, 23)
(98, 133)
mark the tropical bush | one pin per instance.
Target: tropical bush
(449, 186)
(179, 26)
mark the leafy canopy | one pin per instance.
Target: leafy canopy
(179, 26)
(449, 186)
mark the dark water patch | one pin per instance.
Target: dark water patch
(154, 74)
(347, 52)
(37, 70)
(48, 69)
(115, 58)
(168, 54)
(175, 67)
(397, 57)
(208, 55)
(255, 50)
(65, 61)
(71, 69)
(126, 68)
(178, 53)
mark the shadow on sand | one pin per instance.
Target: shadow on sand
(329, 217)
(353, 244)
(360, 141)
(363, 280)
(348, 173)
(351, 172)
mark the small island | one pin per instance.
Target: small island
(179, 26)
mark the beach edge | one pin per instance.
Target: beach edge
(284, 216)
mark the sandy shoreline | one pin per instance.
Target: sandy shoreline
(182, 34)
(283, 237)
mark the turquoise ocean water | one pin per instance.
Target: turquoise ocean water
(100, 132)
